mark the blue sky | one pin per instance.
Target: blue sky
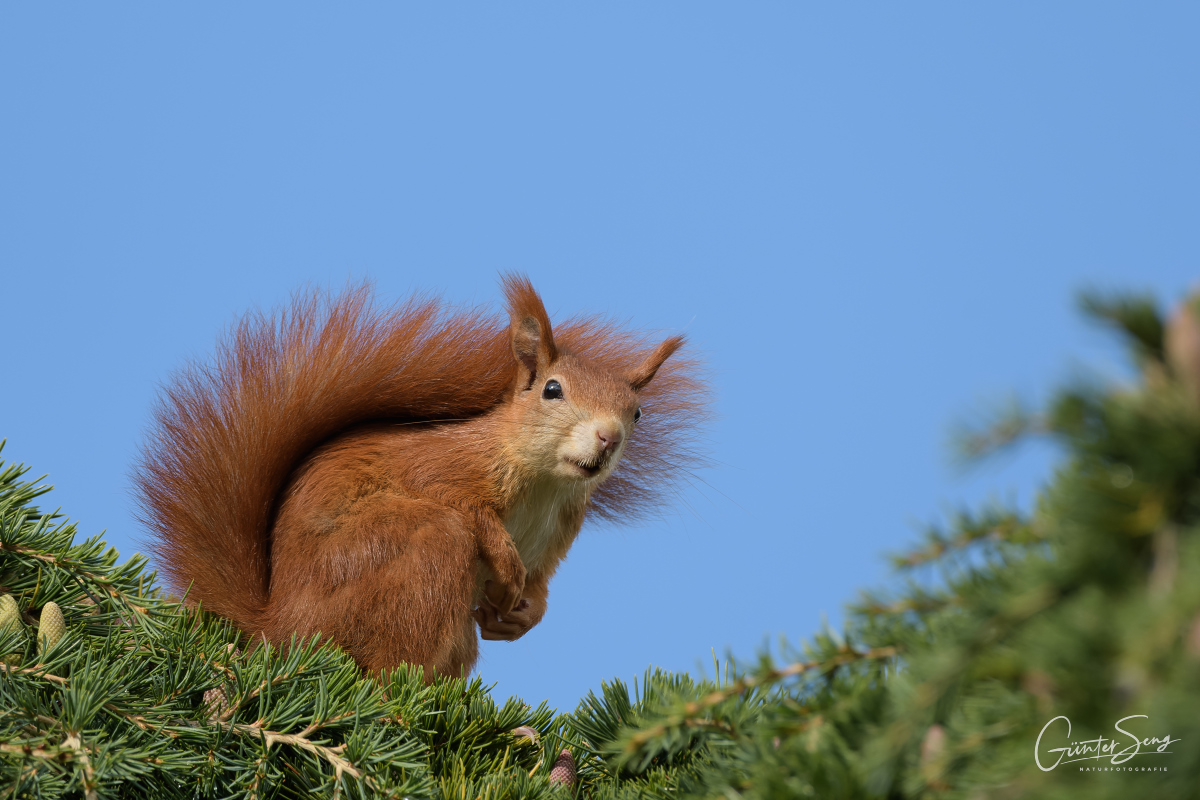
(872, 220)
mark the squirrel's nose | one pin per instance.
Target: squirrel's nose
(609, 438)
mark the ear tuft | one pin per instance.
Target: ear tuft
(645, 372)
(532, 338)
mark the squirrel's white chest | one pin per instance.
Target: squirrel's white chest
(537, 521)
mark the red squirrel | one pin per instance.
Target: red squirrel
(396, 479)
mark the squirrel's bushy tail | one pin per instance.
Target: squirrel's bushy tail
(227, 434)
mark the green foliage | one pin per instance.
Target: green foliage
(1087, 608)
(143, 698)
(1136, 317)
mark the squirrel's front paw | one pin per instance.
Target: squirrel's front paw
(495, 625)
(506, 590)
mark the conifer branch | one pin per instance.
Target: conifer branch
(300, 740)
(771, 676)
(76, 569)
(689, 715)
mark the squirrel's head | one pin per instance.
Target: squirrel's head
(574, 417)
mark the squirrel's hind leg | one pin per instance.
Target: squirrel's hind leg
(390, 581)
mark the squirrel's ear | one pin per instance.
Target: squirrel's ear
(532, 338)
(645, 372)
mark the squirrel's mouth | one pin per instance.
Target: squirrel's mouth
(588, 468)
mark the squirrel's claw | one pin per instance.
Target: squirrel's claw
(503, 596)
(494, 626)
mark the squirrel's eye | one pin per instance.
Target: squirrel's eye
(636, 416)
(553, 390)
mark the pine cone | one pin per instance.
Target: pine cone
(563, 772)
(933, 744)
(10, 620)
(10, 615)
(1182, 343)
(217, 702)
(51, 627)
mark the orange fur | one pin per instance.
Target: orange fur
(396, 478)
